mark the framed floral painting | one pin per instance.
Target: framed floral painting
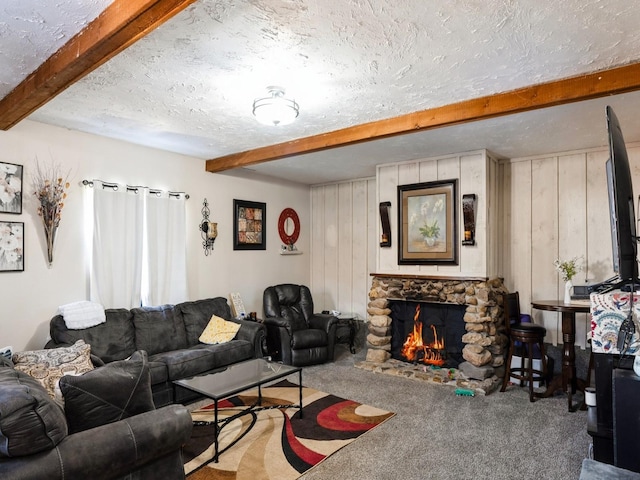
(249, 225)
(427, 229)
(11, 246)
(10, 188)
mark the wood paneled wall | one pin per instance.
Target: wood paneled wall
(346, 228)
(476, 173)
(343, 245)
(556, 207)
(531, 211)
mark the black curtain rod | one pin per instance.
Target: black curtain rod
(134, 188)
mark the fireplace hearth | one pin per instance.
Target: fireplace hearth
(480, 339)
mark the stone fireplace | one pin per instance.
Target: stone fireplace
(483, 339)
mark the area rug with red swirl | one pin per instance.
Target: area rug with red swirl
(276, 443)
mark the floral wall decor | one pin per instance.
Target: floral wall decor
(427, 223)
(11, 246)
(50, 188)
(10, 188)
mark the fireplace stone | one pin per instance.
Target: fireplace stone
(484, 339)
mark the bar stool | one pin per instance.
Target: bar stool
(527, 339)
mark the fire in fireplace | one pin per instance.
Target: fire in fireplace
(415, 350)
(429, 333)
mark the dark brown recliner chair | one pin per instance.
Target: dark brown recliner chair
(295, 335)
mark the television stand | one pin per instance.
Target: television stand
(602, 287)
(600, 419)
(628, 286)
(617, 284)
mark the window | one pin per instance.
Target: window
(137, 246)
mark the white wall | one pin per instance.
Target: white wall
(344, 243)
(30, 298)
(556, 206)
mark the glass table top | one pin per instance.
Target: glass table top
(237, 378)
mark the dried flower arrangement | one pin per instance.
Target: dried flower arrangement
(50, 188)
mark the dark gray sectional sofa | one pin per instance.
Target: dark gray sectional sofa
(169, 334)
(117, 421)
(130, 439)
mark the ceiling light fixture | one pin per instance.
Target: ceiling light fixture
(276, 109)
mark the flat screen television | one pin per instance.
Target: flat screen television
(621, 206)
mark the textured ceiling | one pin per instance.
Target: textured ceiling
(188, 86)
(33, 30)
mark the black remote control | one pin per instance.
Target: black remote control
(627, 329)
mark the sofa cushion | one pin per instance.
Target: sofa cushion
(6, 361)
(186, 362)
(49, 365)
(196, 315)
(112, 340)
(202, 358)
(219, 330)
(159, 329)
(108, 394)
(30, 421)
(232, 352)
(158, 371)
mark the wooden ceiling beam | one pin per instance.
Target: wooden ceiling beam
(584, 87)
(118, 26)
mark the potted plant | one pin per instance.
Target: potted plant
(568, 269)
(430, 232)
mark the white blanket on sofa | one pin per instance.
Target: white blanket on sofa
(83, 314)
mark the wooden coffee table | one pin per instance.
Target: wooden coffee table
(235, 379)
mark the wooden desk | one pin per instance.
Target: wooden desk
(567, 381)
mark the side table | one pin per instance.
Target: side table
(567, 381)
(347, 329)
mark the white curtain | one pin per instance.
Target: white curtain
(116, 257)
(138, 247)
(165, 277)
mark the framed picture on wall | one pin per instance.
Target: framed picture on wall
(12, 242)
(249, 225)
(427, 228)
(10, 188)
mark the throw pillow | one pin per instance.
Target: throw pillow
(108, 394)
(49, 365)
(219, 330)
(196, 315)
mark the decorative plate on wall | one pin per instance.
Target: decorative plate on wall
(289, 226)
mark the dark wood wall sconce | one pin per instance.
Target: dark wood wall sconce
(386, 227)
(469, 214)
